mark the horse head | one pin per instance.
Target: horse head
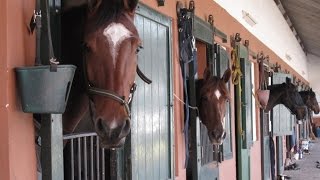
(213, 96)
(288, 95)
(310, 99)
(110, 44)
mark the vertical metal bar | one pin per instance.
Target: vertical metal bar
(97, 158)
(79, 158)
(91, 157)
(85, 158)
(103, 164)
(72, 160)
(52, 147)
(113, 164)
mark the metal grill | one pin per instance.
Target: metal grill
(208, 151)
(84, 159)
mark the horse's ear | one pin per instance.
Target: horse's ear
(288, 80)
(310, 89)
(93, 5)
(206, 74)
(226, 75)
(130, 5)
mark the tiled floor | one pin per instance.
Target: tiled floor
(307, 164)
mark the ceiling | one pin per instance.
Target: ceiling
(305, 18)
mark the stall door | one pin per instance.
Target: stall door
(151, 133)
(244, 122)
(282, 123)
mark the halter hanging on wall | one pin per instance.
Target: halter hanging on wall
(187, 55)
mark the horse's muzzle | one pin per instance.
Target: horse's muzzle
(112, 135)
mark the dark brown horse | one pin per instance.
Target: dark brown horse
(99, 36)
(286, 94)
(213, 96)
(310, 100)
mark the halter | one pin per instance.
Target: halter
(111, 94)
(107, 93)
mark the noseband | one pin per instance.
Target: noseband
(91, 90)
(111, 94)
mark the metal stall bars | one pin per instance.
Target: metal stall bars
(85, 159)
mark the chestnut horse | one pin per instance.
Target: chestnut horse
(286, 94)
(99, 36)
(213, 95)
(310, 100)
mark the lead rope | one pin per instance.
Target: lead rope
(190, 107)
(236, 69)
(236, 76)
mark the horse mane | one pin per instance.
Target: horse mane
(109, 10)
(304, 95)
(277, 86)
(279, 89)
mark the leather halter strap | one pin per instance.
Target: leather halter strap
(107, 93)
(111, 94)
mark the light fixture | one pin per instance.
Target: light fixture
(248, 18)
(288, 57)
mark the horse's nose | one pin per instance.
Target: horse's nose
(113, 130)
(218, 134)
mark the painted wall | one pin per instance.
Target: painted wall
(313, 72)
(271, 29)
(17, 153)
(229, 25)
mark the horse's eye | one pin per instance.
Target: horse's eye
(205, 98)
(138, 49)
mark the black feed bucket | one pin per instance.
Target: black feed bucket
(43, 91)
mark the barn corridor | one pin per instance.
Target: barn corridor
(307, 165)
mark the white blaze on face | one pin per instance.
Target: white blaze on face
(116, 33)
(113, 124)
(217, 93)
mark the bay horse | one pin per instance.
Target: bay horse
(310, 100)
(100, 38)
(213, 94)
(288, 95)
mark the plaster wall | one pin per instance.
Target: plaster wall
(17, 153)
(271, 29)
(313, 72)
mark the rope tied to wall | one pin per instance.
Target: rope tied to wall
(236, 69)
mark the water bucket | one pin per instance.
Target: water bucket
(43, 91)
(263, 97)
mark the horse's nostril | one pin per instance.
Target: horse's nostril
(125, 128)
(127, 124)
(224, 135)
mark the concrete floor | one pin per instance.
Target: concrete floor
(307, 164)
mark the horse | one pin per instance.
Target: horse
(310, 100)
(100, 38)
(213, 94)
(286, 94)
